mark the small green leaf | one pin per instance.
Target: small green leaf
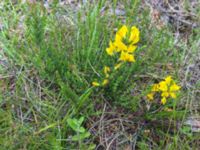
(80, 121)
(81, 130)
(91, 147)
(81, 136)
(73, 123)
(76, 124)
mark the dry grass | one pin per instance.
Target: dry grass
(113, 126)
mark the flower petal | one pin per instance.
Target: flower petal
(155, 88)
(172, 94)
(126, 57)
(110, 50)
(150, 96)
(163, 86)
(174, 87)
(95, 83)
(106, 71)
(163, 100)
(165, 94)
(135, 35)
(168, 80)
(131, 48)
(122, 31)
(105, 82)
(120, 46)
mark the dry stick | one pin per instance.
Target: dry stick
(100, 124)
(108, 147)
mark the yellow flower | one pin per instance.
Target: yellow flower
(166, 88)
(121, 33)
(131, 48)
(163, 86)
(155, 88)
(150, 96)
(126, 57)
(105, 82)
(120, 45)
(106, 71)
(174, 87)
(168, 80)
(124, 43)
(163, 100)
(165, 94)
(135, 35)
(111, 49)
(172, 94)
(133, 39)
(117, 66)
(95, 83)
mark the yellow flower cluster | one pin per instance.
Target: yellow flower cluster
(124, 43)
(167, 88)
